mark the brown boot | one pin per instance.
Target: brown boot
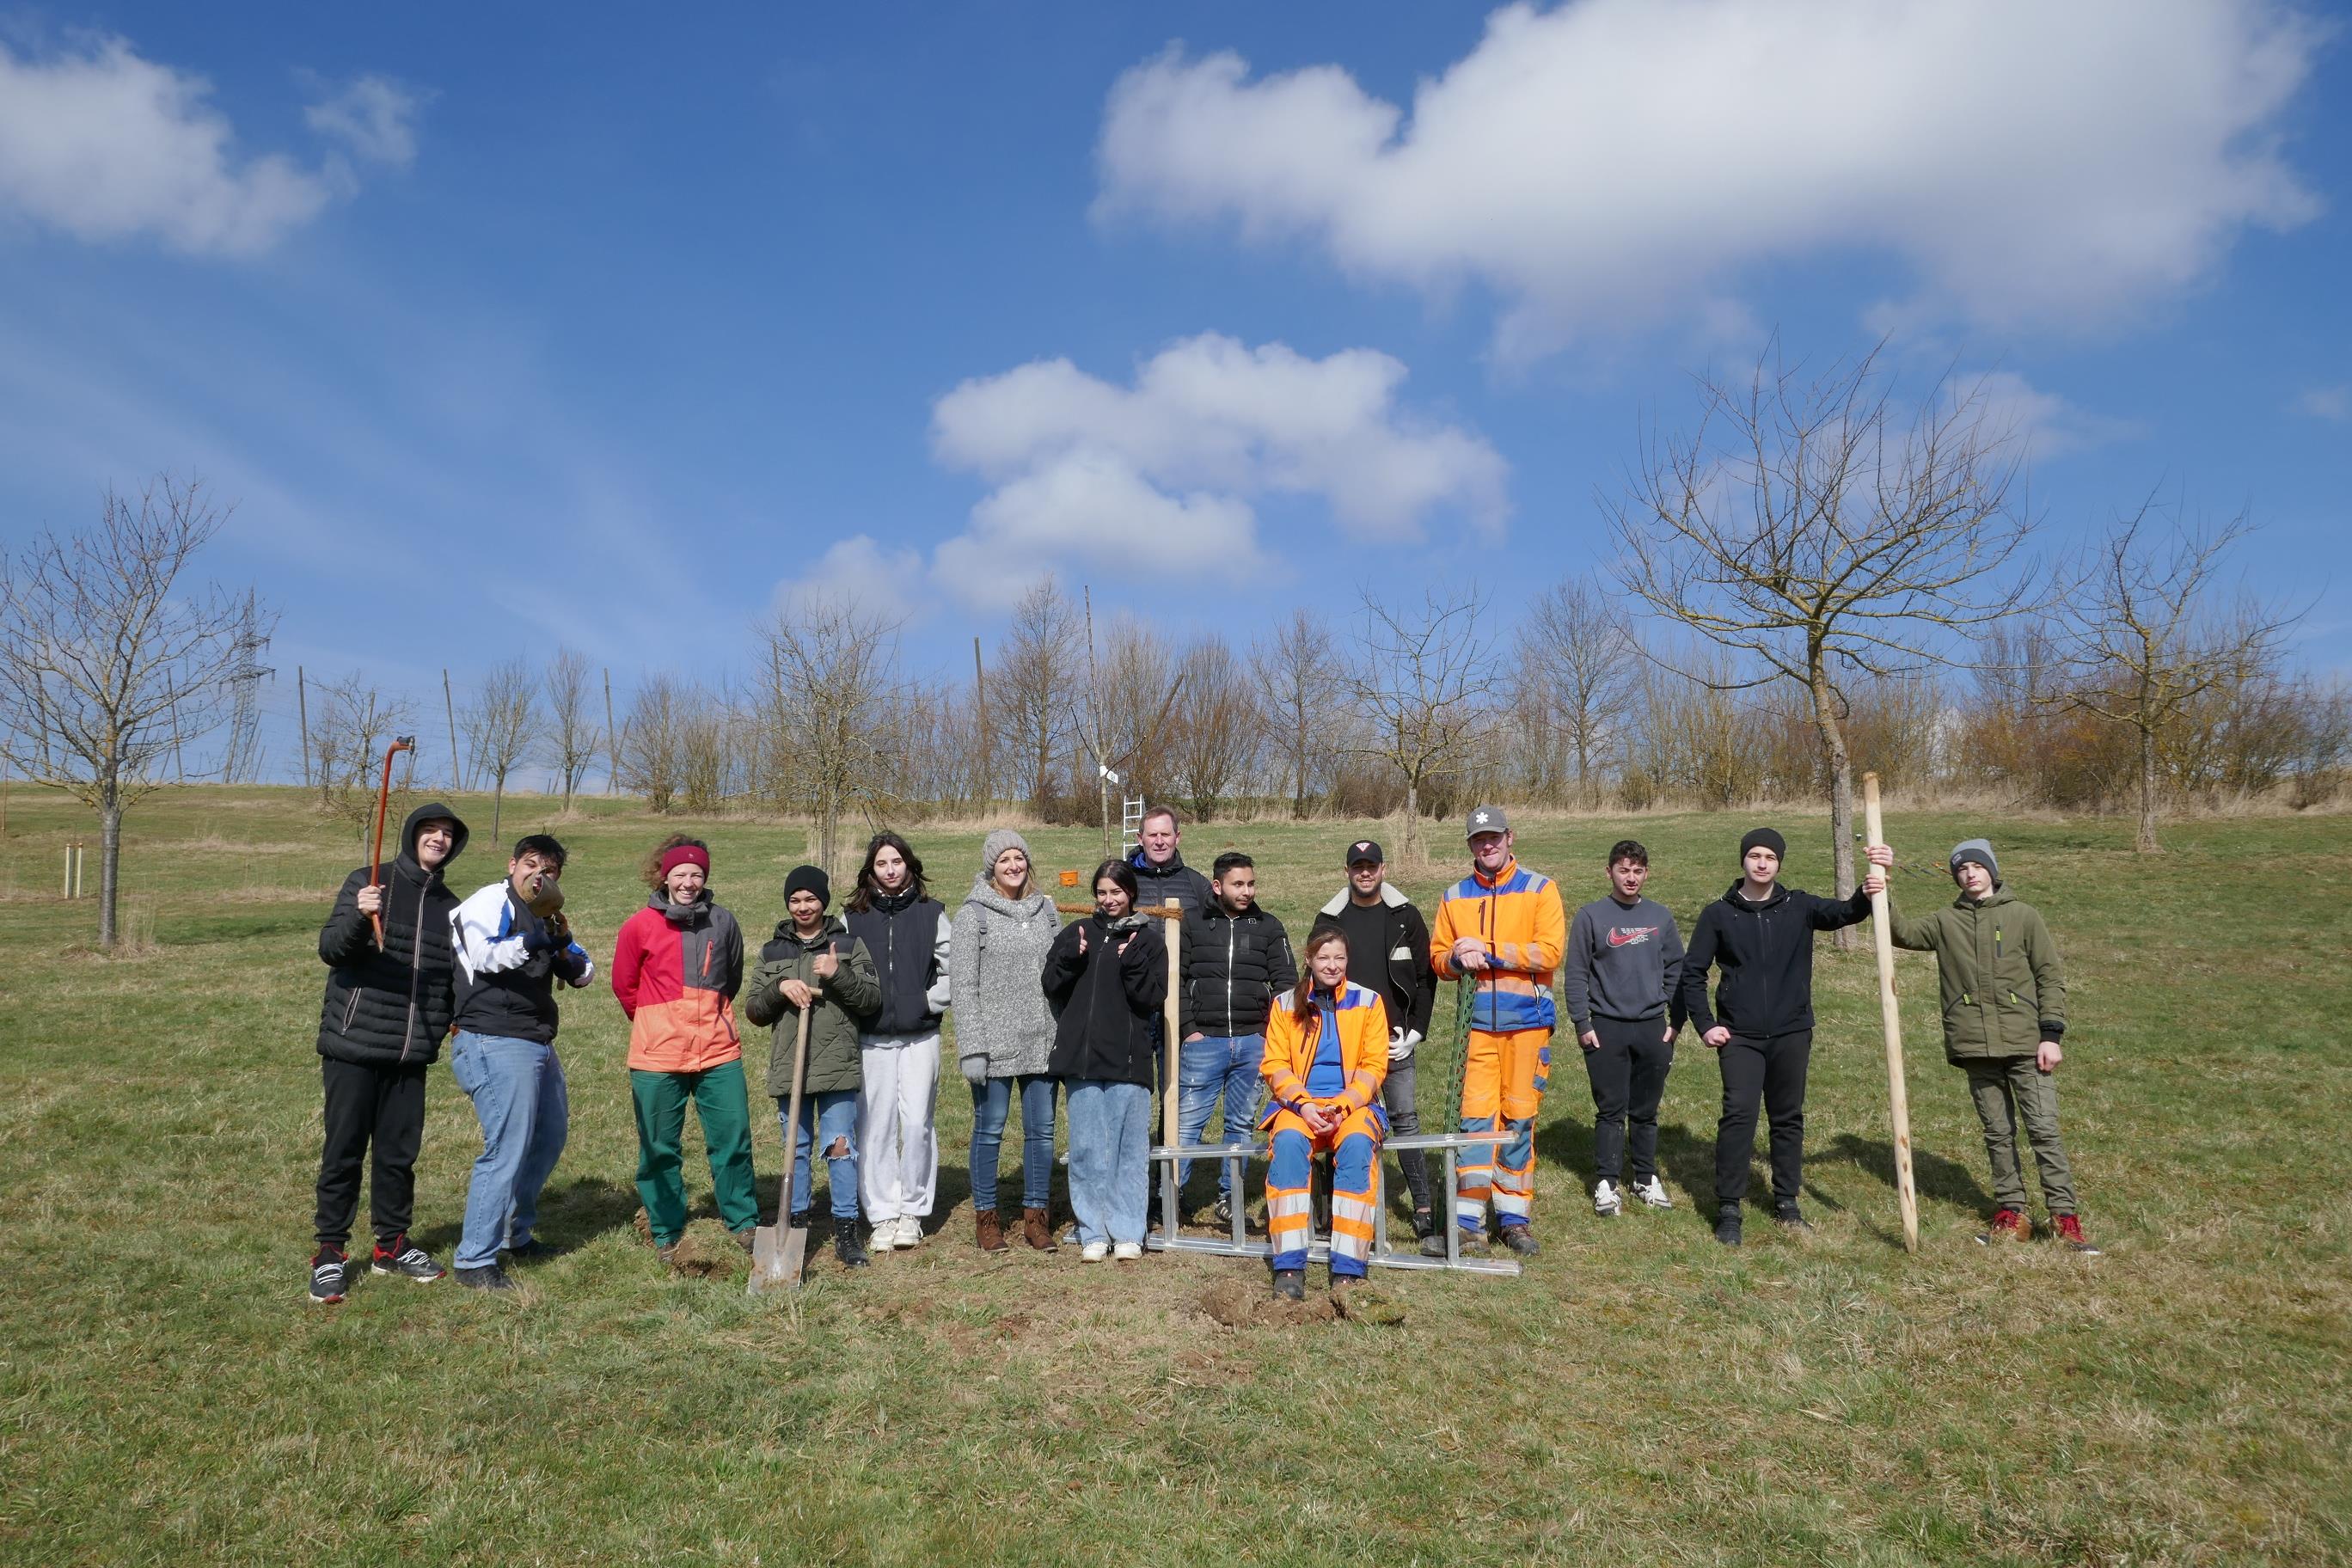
(1037, 1229)
(992, 1231)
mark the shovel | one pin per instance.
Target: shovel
(774, 1260)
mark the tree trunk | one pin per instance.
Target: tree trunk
(2148, 844)
(1841, 771)
(1411, 817)
(109, 868)
(497, 807)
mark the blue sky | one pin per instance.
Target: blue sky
(503, 331)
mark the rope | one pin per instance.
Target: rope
(1459, 1052)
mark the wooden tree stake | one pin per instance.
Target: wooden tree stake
(1898, 1095)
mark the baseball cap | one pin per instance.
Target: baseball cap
(1486, 819)
(1365, 850)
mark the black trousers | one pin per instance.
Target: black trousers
(1773, 1071)
(378, 1107)
(1628, 1070)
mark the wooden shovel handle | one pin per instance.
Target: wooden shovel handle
(791, 1137)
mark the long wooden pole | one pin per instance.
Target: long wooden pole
(1174, 931)
(302, 709)
(1898, 1095)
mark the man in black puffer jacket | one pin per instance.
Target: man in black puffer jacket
(380, 1026)
(1235, 958)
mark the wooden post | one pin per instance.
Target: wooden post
(980, 715)
(1174, 929)
(449, 710)
(302, 708)
(1899, 1094)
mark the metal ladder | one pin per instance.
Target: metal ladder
(1130, 826)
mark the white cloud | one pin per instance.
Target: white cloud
(1616, 161)
(859, 570)
(1167, 469)
(2044, 423)
(373, 116)
(2329, 402)
(106, 145)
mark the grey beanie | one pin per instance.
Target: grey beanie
(1978, 850)
(996, 844)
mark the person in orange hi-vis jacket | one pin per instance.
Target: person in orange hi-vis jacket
(1327, 1050)
(1503, 928)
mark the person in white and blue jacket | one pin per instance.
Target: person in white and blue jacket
(512, 945)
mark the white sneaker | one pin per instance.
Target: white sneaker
(1128, 1251)
(910, 1231)
(884, 1236)
(1653, 1193)
(1605, 1199)
(1094, 1252)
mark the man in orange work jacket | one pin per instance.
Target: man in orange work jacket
(1327, 1050)
(1502, 927)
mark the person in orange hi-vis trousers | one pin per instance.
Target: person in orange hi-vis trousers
(1327, 1050)
(1502, 927)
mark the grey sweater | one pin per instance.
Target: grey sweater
(994, 960)
(1623, 962)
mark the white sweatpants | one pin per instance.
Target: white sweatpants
(897, 1146)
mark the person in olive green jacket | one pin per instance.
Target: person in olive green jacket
(2004, 1002)
(813, 963)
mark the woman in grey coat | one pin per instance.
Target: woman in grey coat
(1004, 1032)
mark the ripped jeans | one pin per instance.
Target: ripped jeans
(832, 1116)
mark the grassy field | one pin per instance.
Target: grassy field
(1640, 1396)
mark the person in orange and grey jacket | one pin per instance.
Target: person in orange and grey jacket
(2004, 998)
(676, 965)
(380, 1027)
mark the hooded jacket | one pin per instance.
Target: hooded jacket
(2003, 990)
(392, 1004)
(1156, 885)
(1233, 966)
(1399, 969)
(1106, 1002)
(834, 1063)
(906, 938)
(997, 954)
(1766, 953)
(675, 972)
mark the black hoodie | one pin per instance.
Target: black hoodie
(391, 1004)
(1766, 953)
(1106, 1002)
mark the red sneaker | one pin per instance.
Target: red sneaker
(2070, 1231)
(2008, 1225)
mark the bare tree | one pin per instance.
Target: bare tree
(108, 662)
(1213, 732)
(1039, 677)
(502, 726)
(648, 759)
(2147, 638)
(572, 733)
(1423, 688)
(707, 751)
(831, 682)
(355, 720)
(1813, 530)
(1574, 645)
(1297, 678)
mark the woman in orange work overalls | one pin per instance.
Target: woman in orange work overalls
(1327, 1050)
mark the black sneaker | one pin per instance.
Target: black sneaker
(1789, 1217)
(845, 1244)
(531, 1251)
(1222, 1215)
(1521, 1239)
(1424, 1225)
(488, 1277)
(1726, 1229)
(329, 1277)
(1290, 1284)
(412, 1263)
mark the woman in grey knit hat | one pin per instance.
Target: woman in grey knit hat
(1004, 1031)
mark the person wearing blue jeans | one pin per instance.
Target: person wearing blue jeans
(1110, 1157)
(1237, 959)
(1104, 976)
(991, 1104)
(831, 1115)
(512, 944)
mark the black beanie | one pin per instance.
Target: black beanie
(812, 878)
(1765, 837)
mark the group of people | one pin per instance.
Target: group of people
(1314, 1050)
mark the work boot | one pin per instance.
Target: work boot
(845, 1244)
(329, 1276)
(987, 1230)
(1037, 1229)
(1290, 1284)
(747, 1238)
(2008, 1225)
(1474, 1244)
(1521, 1239)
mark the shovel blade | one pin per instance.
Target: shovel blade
(795, 1256)
(767, 1258)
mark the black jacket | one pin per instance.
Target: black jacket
(508, 961)
(1766, 953)
(902, 934)
(1155, 885)
(1399, 969)
(391, 1004)
(1106, 1002)
(1233, 966)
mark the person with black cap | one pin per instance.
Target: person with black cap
(2004, 998)
(1388, 955)
(814, 964)
(387, 1005)
(1760, 1025)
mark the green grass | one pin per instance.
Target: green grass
(1640, 1395)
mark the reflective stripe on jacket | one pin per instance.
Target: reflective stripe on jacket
(1516, 917)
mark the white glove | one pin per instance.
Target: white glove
(1402, 1042)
